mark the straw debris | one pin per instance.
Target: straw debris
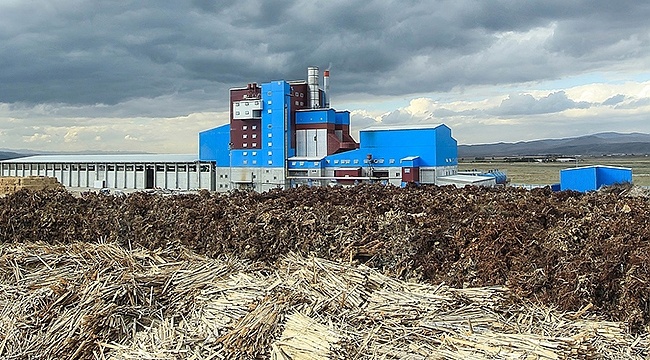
(102, 301)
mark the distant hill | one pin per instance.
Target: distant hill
(609, 143)
(5, 155)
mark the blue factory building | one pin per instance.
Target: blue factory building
(283, 134)
(590, 178)
(280, 134)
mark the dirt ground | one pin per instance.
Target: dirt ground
(563, 249)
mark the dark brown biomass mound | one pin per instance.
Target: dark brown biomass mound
(566, 249)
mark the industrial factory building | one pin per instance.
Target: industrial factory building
(280, 134)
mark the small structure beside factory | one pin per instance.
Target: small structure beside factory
(591, 178)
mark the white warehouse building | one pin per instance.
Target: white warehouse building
(128, 171)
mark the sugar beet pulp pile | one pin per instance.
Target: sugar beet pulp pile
(583, 254)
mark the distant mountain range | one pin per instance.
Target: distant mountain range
(4, 155)
(609, 143)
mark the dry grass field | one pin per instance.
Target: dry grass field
(549, 173)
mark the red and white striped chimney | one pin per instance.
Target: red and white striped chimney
(326, 89)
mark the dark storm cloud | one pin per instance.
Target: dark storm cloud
(91, 52)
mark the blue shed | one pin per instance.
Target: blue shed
(590, 178)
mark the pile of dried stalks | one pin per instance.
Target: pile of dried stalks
(101, 301)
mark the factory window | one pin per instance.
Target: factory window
(296, 93)
(226, 176)
(254, 162)
(269, 93)
(391, 161)
(336, 161)
(236, 104)
(270, 135)
(245, 144)
(245, 162)
(356, 161)
(247, 112)
(120, 167)
(269, 126)
(275, 178)
(270, 162)
(82, 167)
(302, 103)
(245, 153)
(160, 167)
(270, 102)
(267, 171)
(254, 176)
(270, 153)
(254, 145)
(269, 144)
(302, 95)
(170, 168)
(244, 127)
(257, 113)
(244, 136)
(254, 153)
(254, 136)
(302, 163)
(19, 167)
(246, 103)
(236, 112)
(221, 176)
(129, 167)
(407, 170)
(91, 167)
(205, 168)
(100, 167)
(254, 127)
(269, 111)
(297, 102)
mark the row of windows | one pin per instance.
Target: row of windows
(254, 153)
(245, 127)
(254, 162)
(84, 167)
(256, 113)
(246, 103)
(270, 144)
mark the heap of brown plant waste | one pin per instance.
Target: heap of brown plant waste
(567, 249)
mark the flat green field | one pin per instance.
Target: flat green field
(549, 173)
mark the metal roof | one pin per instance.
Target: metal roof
(409, 158)
(596, 166)
(465, 179)
(402, 127)
(305, 158)
(108, 158)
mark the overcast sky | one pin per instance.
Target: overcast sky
(149, 75)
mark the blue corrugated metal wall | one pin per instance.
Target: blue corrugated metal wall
(434, 146)
(590, 178)
(611, 175)
(213, 145)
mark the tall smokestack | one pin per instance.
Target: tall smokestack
(312, 82)
(326, 89)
